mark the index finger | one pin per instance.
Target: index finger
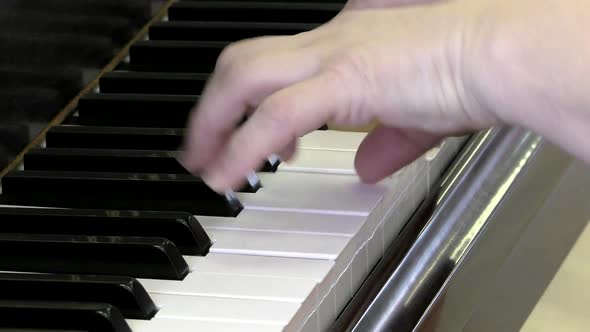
(282, 118)
(230, 94)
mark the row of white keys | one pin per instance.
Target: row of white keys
(259, 275)
(264, 244)
(343, 209)
(280, 221)
(229, 293)
(272, 228)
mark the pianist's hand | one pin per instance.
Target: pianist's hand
(424, 72)
(364, 4)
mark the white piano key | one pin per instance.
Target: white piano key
(327, 311)
(183, 325)
(359, 267)
(375, 246)
(276, 244)
(403, 209)
(214, 309)
(287, 222)
(317, 193)
(235, 286)
(312, 324)
(343, 290)
(261, 266)
(332, 140)
(320, 161)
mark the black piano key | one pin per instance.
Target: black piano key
(55, 49)
(283, 11)
(223, 31)
(110, 161)
(67, 80)
(60, 316)
(152, 83)
(34, 21)
(183, 229)
(139, 11)
(14, 136)
(130, 138)
(103, 160)
(175, 56)
(143, 257)
(28, 104)
(116, 191)
(120, 138)
(131, 110)
(124, 293)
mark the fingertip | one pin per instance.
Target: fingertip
(367, 161)
(190, 158)
(385, 151)
(289, 151)
(216, 181)
(365, 170)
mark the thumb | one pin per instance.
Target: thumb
(386, 150)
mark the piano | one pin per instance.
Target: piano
(102, 230)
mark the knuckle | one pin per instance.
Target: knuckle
(229, 55)
(238, 61)
(350, 67)
(351, 71)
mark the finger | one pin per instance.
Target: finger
(227, 99)
(280, 119)
(386, 150)
(288, 152)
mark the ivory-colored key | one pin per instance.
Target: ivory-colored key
(287, 222)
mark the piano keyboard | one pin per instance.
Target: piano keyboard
(103, 230)
(50, 51)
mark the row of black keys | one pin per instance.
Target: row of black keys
(92, 285)
(72, 302)
(47, 47)
(201, 29)
(122, 133)
(117, 168)
(120, 168)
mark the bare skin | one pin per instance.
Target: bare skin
(424, 70)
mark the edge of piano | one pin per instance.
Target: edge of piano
(483, 246)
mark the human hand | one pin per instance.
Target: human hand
(423, 72)
(366, 4)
